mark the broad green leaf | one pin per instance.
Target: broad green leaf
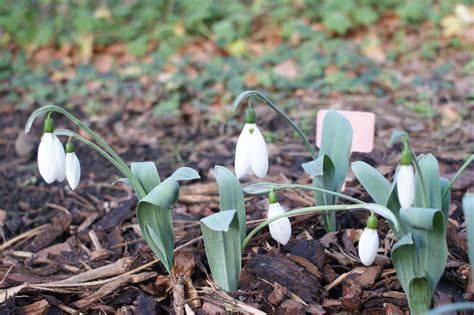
(394, 205)
(319, 167)
(419, 297)
(259, 188)
(155, 217)
(323, 173)
(468, 206)
(336, 142)
(431, 246)
(430, 170)
(231, 196)
(380, 190)
(185, 173)
(146, 174)
(420, 218)
(430, 243)
(405, 261)
(373, 182)
(222, 243)
(446, 201)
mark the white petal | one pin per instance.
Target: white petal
(59, 160)
(368, 246)
(406, 186)
(258, 153)
(281, 228)
(46, 158)
(73, 170)
(242, 162)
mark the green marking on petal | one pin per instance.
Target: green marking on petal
(251, 130)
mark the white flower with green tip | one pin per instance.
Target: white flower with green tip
(369, 242)
(280, 229)
(51, 156)
(251, 152)
(73, 167)
(406, 180)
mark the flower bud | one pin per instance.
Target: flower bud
(73, 167)
(280, 229)
(406, 180)
(369, 242)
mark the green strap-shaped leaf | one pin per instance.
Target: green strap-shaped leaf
(336, 142)
(185, 173)
(323, 173)
(231, 196)
(147, 175)
(420, 218)
(393, 204)
(381, 191)
(468, 207)
(373, 182)
(431, 243)
(155, 217)
(405, 260)
(430, 170)
(419, 297)
(155, 210)
(444, 184)
(222, 243)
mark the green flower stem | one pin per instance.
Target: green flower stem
(279, 112)
(449, 308)
(69, 133)
(125, 170)
(301, 211)
(324, 191)
(456, 176)
(103, 148)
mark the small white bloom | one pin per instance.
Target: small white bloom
(51, 158)
(406, 186)
(368, 246)
(251, 153)
(281, 228)
(73, 170)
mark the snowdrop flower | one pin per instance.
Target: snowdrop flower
(73, 167)
(251, 151)
(281, 228)
(51, 156)
(369, 242)
(406, 180)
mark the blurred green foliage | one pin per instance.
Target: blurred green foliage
(33, 23)
(158, 28)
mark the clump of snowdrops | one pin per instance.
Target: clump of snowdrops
(156, 197)
(415, 204)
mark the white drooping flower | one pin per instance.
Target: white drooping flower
(73, 167)
(51, 156)
(251, 153)
(406, 181)
(280, 229)
(368, 246)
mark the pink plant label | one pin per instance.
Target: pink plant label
(363, 129)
